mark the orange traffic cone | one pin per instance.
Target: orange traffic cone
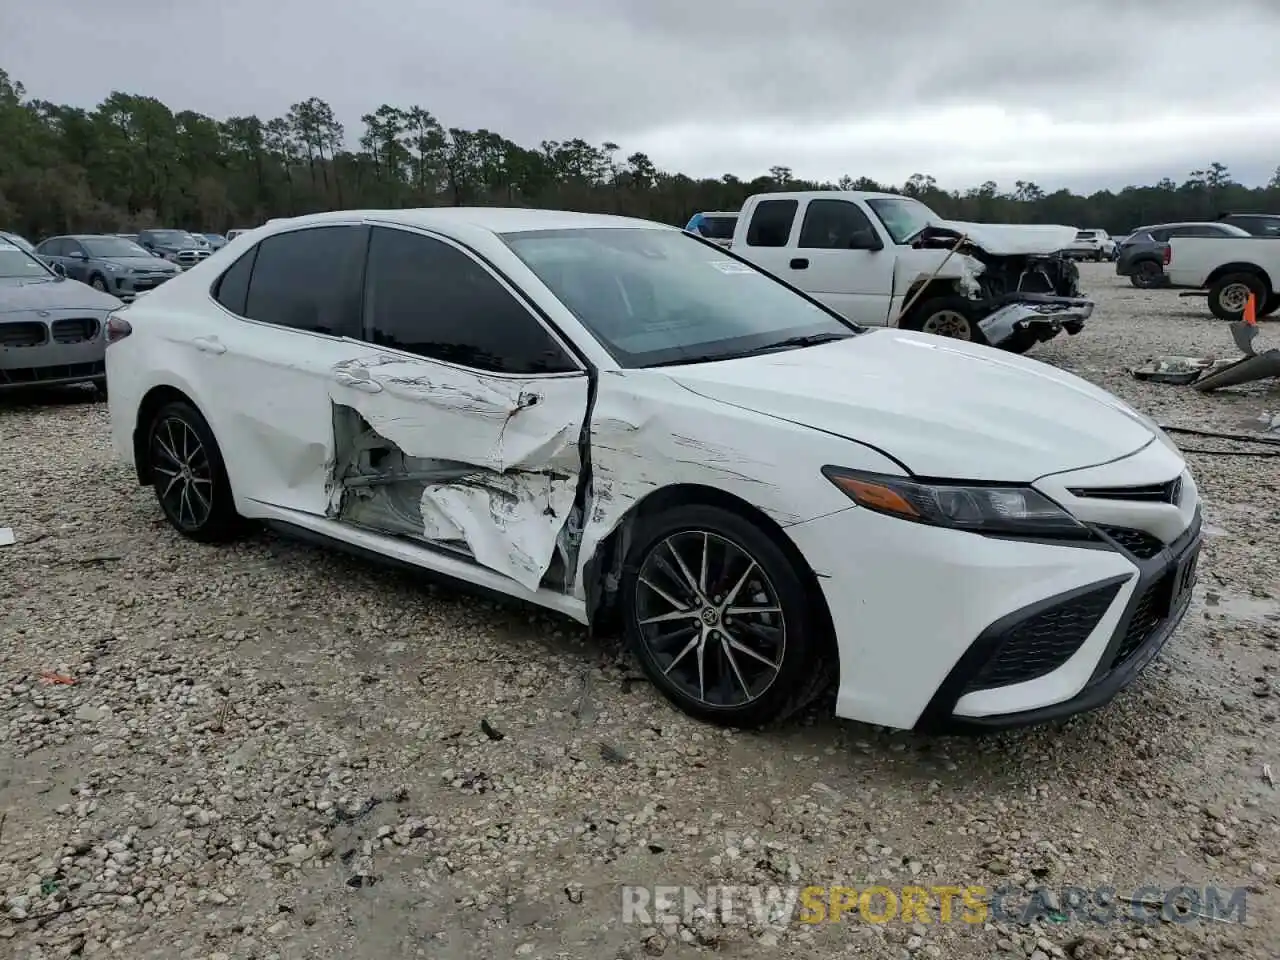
(1250, 312)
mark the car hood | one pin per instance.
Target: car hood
(1008, 239)
(20, 295)
(940, 407)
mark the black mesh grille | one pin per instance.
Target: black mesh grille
(1156, 604)
(30, 334)
(64, 371)
(1141, 544)
(1045, 641)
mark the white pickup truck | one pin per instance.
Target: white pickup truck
(1228, 269)
(881, 259)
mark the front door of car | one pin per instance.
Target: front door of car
(458, 424)
(53, 251)
(845, 264)
(75, 260)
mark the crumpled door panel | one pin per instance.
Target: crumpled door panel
(483, 465)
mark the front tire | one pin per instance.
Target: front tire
(189, 476)
(721, 620)
(99, 283)
(951, 317)
(1228, 295)
(1270, 307)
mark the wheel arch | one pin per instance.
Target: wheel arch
(1244, 267)
(603, 570)
(922, 291)
(151, 402)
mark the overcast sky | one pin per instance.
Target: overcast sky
(1083, 93)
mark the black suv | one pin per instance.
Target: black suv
(176, 246)
(1140, 256)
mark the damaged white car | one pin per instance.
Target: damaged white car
(882, 259)
(630, 425)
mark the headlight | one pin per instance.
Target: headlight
(980, 508)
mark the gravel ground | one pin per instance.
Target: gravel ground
(275, 751)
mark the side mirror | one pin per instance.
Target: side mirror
(59, 269)
(866, 240)
(79, 255)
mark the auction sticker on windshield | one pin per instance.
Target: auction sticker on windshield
(731, 266)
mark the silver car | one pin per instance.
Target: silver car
(52, 330)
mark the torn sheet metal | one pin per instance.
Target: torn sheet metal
(483, 465)
(1007, 323)
(1177, 370)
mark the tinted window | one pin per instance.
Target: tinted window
(426, 297)
(309, 280)
(1161, 235)
(771, 223)
(835, 225)
(57, 247)
(232, 288)
(718, 228)
(653, 296)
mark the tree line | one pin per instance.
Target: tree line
(133, 162)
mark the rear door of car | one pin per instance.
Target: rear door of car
(280, 321)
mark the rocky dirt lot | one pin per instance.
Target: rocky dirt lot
(274, 751)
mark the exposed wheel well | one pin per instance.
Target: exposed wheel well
(1230, 268)
(603, 571)
(928, 290)
(154, 399)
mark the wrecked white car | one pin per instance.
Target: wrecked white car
(632, 426)
(882, 259)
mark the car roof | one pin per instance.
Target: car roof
(831, 195)
(487, 219)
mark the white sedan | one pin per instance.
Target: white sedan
(635, 427)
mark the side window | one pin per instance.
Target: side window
(771, 223)
(1161, 236)
(74, 248)
(835, 225)
(232, 288)
(309, 279)
(53, 248)
(426, 297)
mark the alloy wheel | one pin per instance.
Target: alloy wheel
(948, 323)
(184, 476)
(710, 618)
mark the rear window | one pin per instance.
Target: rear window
(1084, 235)
(718, 228)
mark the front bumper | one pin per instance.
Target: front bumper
(1043, 315)
(128, 286)
(1155, 607)
(921, 617)
(65, 347)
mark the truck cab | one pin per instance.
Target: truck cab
(881, 259)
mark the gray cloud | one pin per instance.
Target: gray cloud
(689, 82)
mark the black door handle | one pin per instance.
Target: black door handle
(799, 264)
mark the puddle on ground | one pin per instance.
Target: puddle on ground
(1254, 609)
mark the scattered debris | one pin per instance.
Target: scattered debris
(1179, 371)
(1266, 775)
(6, 537)
(489, 731)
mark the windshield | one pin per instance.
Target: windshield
(17, 264)
(17, 241)
(659, 296)
(173, 238)
(214, 238)
(903, 218)
(112, 247)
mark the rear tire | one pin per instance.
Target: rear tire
(1147, 275)
(99, 282)
(189, 476)
(1228, 295)
(760, 647)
